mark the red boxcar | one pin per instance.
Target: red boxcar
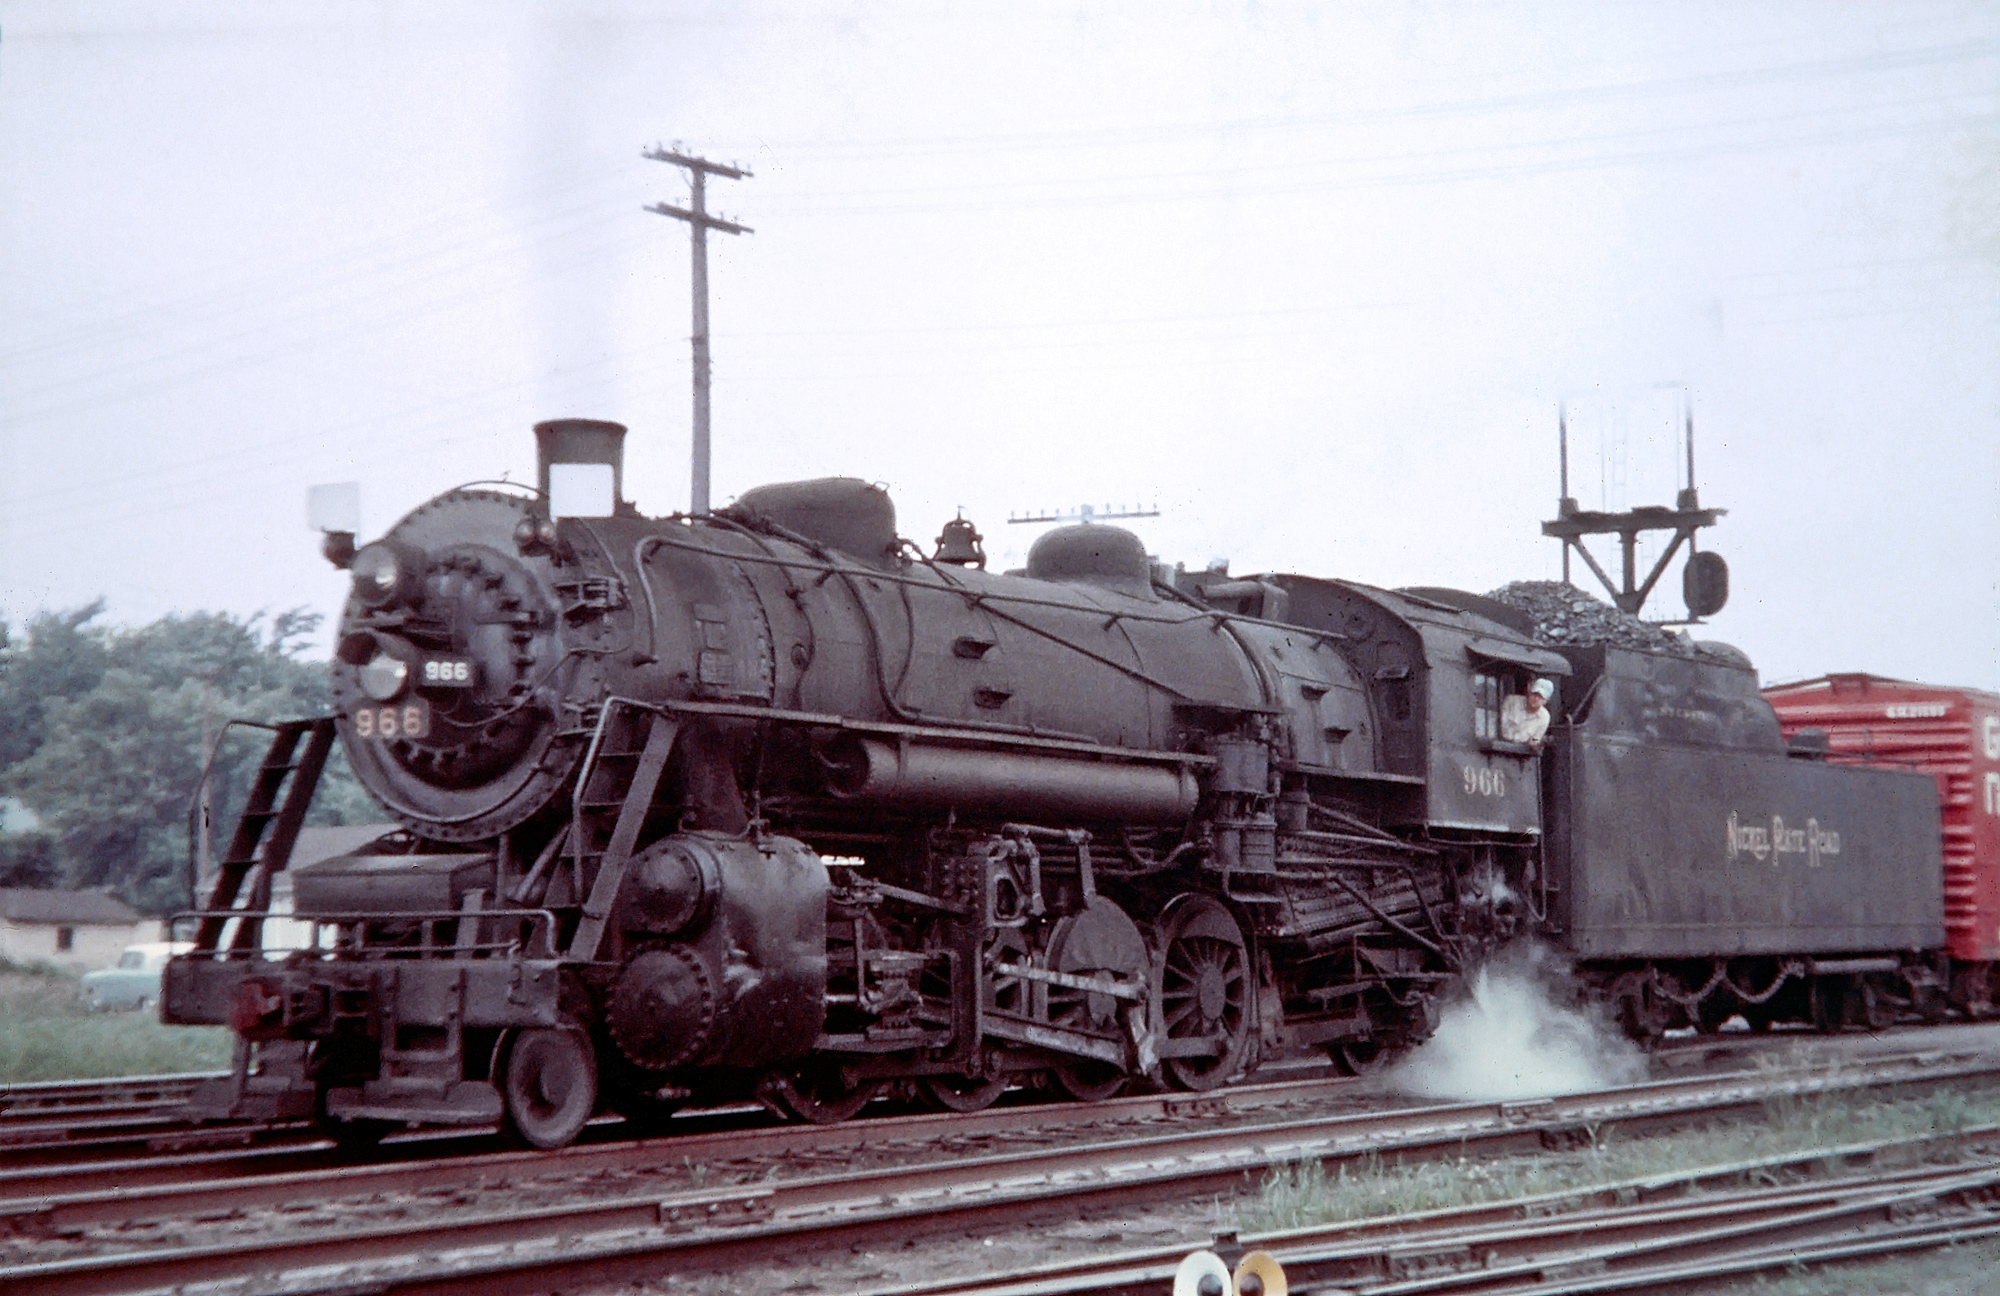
(1952, 734)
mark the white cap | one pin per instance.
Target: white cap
(1543, 687)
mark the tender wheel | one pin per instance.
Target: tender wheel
(1205, 992)
(1359, 1057)
(550, 1086)
(960, 1093)
(821, 1096)
(1712, 1012)
(1871, 1007)
(1642, 1009)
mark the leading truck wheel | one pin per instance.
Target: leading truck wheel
(550, 1085)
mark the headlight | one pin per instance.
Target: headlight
(385, 573)
(384, 677)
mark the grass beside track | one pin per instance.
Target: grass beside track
(46, 1033)
(1303, 1195)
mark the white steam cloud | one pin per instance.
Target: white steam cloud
(1512, 1031)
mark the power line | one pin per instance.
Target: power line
(1529, 101)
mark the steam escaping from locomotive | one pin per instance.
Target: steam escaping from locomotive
(1515, 1030)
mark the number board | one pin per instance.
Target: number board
(446, 672)
(406, 720)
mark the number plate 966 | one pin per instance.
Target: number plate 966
(404, 720)
(446, 672)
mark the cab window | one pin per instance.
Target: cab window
(132, 959)
(1487, 691)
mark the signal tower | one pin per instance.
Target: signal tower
(1705, 579)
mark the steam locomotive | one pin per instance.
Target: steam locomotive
(768, 802)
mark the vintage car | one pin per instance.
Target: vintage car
(135, 980)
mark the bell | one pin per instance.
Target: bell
(960, 544)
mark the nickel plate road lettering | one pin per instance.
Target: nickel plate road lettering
(1760, 842)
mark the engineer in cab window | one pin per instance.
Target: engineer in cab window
(1524, 717)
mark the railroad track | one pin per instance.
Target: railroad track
(492, 1225)
(256, 1177)
(66, 1117)
(28, 1104)
(1638, 1234)
(65, 1122)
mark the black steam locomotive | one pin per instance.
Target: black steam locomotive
(767, 801)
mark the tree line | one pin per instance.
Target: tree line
(104, 730)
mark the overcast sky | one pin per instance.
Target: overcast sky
(1313, 279)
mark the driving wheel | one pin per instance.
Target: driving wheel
(957, 1093)
(1099, 944)
(1087, 1081)
(1205, 991)
(550, 1085)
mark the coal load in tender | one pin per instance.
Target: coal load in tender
(1564, 614)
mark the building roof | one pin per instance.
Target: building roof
(81, 908)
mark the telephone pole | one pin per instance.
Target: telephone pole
(699, 224)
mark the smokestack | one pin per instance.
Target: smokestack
(580, 441)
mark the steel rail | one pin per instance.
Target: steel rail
(634, 1233)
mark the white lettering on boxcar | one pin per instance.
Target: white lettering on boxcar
(1916, 710)
(1993, 794)
(1993, 737)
